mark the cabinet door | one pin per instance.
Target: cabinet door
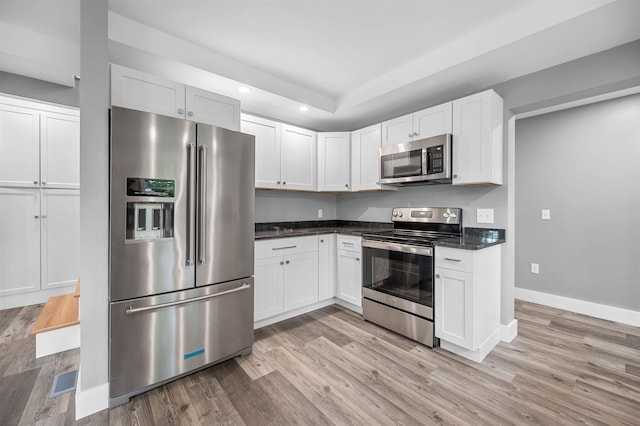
(334, 152)
(432, 121)
(19, 240)
(60, 150)
(60, 242)
(397, 130)
(326, 266)
(298, 158)
(365, 158)
(350, 277)
(211, 108)
(267, 134)
(138, 90)
(477, 139)
(19, 146)
(268, 288)
(300, 280)
(454, 300)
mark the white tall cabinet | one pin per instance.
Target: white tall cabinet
(334, 152)
(39, 199)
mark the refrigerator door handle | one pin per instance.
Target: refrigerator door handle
(202, 203)
(190, 201)
(131, 310)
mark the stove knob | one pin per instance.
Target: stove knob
(395, 214)
(399, 214)
(453, 215)
(446, 215)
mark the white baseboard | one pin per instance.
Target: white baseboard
(91, 401)
(17, 300)
(509, 332)
(59, 340)
(596, 310)
(350, 306)
(290, 314)
(477, 355)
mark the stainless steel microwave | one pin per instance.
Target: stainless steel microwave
(420, 162)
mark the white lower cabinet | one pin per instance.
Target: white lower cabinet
(326, 266)
(349, 269)
(286, 275)
(467, 300)
(40, 234)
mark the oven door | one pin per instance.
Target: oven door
(399, 275)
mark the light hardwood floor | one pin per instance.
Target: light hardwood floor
(331, 367)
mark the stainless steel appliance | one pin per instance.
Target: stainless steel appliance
(181, 249)
(425, 161)
(397, 270)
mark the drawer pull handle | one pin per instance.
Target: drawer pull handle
(452, 260)
(283, 248)
(347, 244)
(131, 310)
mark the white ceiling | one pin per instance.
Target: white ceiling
(353, 62)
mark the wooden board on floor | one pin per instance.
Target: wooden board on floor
(59, 312)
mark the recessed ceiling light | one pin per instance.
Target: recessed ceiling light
(243, 89)
(304, 108)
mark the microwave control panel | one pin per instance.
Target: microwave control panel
(435, 159)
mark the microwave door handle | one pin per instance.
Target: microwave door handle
(425, 161)
(190, 202)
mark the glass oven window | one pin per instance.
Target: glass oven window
(402, 164)
(407, 276)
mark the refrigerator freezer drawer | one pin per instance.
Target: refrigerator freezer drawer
(155, 339)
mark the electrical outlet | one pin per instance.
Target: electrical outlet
(535, 268)
(546, 214)
(319, 212)
(484, 215)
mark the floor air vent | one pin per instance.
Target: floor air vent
(63, 383)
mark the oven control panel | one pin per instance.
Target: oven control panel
(449, 215)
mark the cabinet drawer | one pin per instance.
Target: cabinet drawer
(454, 259)
(349, 243)
(285, 246)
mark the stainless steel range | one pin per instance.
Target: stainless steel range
(398, 267)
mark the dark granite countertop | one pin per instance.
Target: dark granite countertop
(472, 238)
(316, 227)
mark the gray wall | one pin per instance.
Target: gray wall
(283, 206)
(584, 165)
(26, 87)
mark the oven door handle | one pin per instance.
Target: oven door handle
(403, 248)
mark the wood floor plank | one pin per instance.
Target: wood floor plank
(210, 401)
(336, 406)
(389, 389)
(7, 316)
(255, 365)
(20, 325)
(16, 390)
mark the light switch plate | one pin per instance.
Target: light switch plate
(535, 268)
(546, 214)
(319, 212)
(484, 215)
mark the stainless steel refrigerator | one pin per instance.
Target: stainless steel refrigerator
(181, 249)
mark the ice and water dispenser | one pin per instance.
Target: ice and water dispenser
(150, 220)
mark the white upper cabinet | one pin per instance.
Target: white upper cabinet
(60, 150)
(267, 134)
(39, 145)
(477, 139)
(298, 158)
(145, 92)
(419, 125)
(211, 108)
(19, 146)
(334, 152)
(365, 159)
